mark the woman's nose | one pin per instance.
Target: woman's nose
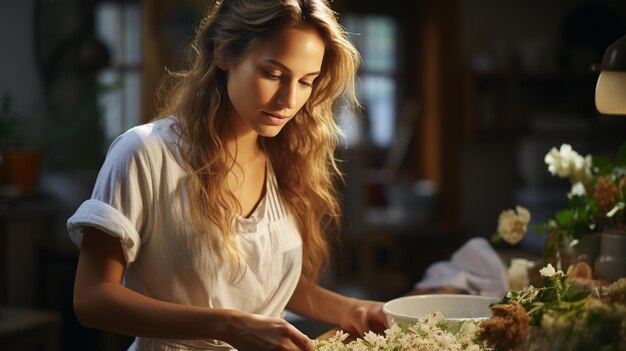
(287, 95)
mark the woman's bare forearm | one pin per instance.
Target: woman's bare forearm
(115, 308)
(350, 314)
(312, 301)
(101, 301)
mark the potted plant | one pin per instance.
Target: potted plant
(596, 208)
(593, 225)
(19, 165)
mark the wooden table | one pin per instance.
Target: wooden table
(328, 334)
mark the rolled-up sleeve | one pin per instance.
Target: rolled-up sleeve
(121, 201)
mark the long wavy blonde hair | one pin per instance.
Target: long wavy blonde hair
(302, 154)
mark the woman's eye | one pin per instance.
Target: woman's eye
(306, 84)
(271, 75)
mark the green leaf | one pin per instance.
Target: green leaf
(443, 325)
(563, 217)
(579, 296)
(601, 165)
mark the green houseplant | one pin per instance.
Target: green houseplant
(596, 211)
(596, 201)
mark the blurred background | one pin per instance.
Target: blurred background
(461, 100)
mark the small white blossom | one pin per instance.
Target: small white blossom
(566, 162)
(512, 225)
(549, 271)
(426, 335)
(376, 340)
(578, 189)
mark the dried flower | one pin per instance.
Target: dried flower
(512, 225)
(507, 328)
(580, 269)
(605, 193)
(616, 292)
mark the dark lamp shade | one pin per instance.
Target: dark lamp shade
(611, 86)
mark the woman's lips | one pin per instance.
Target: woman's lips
(276, 119)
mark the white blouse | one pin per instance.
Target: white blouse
(140, 198)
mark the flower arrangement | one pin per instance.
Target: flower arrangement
(597, 198)
(555, 316)
(596, 202)
(558, 317)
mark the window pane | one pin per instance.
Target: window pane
(118, 26)
(119, 100)
(132, 34)
(379, 97)
(380, 44)
(108, 27)
(375, 38)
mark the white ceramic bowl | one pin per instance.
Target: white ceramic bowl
(456, 308)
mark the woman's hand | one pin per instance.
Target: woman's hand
(362, 316)
(255, 332)
(349, 314)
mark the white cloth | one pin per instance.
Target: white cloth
(474, 267)
(140, 198)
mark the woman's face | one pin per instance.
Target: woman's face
(273, 80)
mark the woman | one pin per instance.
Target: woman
(207, 223)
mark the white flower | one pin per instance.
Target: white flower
(375, 340)
(426, 335)
(549, 271)
(566, 162)
(512, 225)
(578, 189)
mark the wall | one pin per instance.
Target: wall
(18, 72)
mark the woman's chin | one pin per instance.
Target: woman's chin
(270, 131)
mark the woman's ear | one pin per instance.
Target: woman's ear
(219, 58)
(221, 64)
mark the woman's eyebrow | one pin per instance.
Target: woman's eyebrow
(280, 65)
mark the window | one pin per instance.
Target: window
(118, 25)
(375, 38)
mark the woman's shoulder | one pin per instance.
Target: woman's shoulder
(149, 137)
(161, 129)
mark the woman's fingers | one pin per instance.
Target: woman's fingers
(356, 319)
(379, 321)
(300, 340)
(364, 316)
(266, 333)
